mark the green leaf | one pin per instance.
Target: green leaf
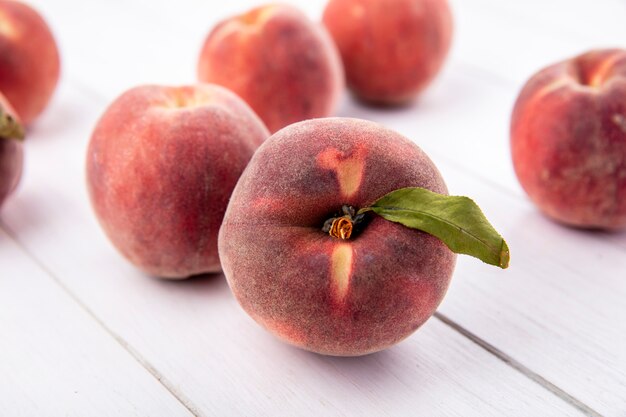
(457, 221)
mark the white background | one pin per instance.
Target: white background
(83, 333)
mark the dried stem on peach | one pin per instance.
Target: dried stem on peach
(342, 226)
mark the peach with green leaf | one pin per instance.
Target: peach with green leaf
(319, 241)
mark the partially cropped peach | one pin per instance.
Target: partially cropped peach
(282, 64)
(392, 49)
(568, 140)
(328, 295)
(11, 153)
(161, 165)
(29, 68)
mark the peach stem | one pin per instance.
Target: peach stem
(341, 227)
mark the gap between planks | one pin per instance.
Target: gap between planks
(527, 372)
(186, 402)
(182, 399)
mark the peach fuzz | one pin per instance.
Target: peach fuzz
(11, 150)
(392, 49)
(161, 165)
(568, 140)
(282, 64)
(332, 296)
(29, 70)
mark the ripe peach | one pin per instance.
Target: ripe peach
(327, 295)
(29, 68)
(11, 153)
(391, 49)
(161, 165)
(568, 139)
(282, 64)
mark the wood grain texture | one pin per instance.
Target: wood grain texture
(557, 308)
(56, 360)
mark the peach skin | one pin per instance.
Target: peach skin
(282, 64)
(30, 65)
(568, 140)
(392, 49)
(161, 165)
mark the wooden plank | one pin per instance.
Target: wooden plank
(558, 308)
(56, 360)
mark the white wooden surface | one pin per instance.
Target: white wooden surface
(83, 333)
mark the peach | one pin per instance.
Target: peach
(391, 50)
(568, 140)
(161, 165)
(324, 294)
(11, 153)
(282, 64)
(29, 69)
